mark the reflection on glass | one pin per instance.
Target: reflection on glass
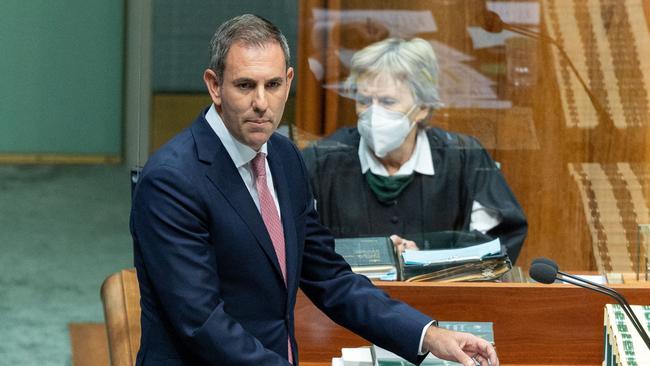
(520, 62)
(642, 246)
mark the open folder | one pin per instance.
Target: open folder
(376, 258)
(481, 262)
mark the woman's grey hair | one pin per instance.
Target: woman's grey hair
(412, 62)
(250, 29)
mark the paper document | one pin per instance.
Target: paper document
(357, 356)
(475, 252)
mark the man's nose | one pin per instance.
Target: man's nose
(260, 102)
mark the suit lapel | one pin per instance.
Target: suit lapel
(224, 176)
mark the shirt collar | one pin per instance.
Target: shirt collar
(239, 153)
(420, 161)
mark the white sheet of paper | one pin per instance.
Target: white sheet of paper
(360, 356)
(484, 39)
(450, 255)
(400, 23)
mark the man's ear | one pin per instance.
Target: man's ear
(213, 86)
(289, 79)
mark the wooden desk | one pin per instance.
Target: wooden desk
(534, 324)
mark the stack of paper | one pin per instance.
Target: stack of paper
(475, 252)
(480, 262)
(623, 344)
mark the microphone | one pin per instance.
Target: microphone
(546, 271)
(493, 23)
(545, 260)
(542, 273)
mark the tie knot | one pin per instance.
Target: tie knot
(258, 164)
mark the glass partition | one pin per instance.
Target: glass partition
(556, 91)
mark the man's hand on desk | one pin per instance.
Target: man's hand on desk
(402, 244)
(459, 347)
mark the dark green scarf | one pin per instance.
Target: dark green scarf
(387, 189)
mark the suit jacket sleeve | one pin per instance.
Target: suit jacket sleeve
(171, 232)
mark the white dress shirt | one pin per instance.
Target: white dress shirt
(242, 155)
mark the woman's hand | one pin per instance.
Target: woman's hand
(402, 244)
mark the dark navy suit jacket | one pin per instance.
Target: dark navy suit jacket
(211, 288)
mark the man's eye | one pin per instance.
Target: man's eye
(245, 86)
(273, 85)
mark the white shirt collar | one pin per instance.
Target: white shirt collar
(420, 161)
(239, 153)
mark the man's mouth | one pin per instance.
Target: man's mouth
(258, 121)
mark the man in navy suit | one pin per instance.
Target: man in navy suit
(225, 231)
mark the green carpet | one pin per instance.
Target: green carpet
(63, 229)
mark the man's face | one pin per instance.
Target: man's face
(250, 99)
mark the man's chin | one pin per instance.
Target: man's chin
(256, 139)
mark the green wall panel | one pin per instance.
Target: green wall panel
(61, 76)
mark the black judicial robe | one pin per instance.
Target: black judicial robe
(464, 172)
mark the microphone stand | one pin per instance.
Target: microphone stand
(526, 32)
(581, 282)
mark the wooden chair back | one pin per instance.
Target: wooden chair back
(120, 294)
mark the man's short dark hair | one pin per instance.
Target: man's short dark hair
(250, 29)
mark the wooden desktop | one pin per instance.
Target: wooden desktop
(534, 324)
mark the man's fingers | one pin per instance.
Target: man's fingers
(465, 359)
(482, 360)
(483, 353)
(491, 353)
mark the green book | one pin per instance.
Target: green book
(373, 257)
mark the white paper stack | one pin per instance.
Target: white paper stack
(623, 344)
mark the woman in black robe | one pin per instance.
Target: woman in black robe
(392, 175)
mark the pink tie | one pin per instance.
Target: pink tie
(271, 217)
(269, 211)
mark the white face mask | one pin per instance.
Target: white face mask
(384, 130)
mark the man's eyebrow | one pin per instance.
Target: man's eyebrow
(277, 79)
(243, 80)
